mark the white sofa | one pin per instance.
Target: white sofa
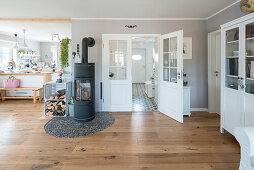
(245, 137)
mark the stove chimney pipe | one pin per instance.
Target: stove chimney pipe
(86, 42)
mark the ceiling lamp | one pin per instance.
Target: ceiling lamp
(16, 46)
(24, 45)
(55, 37)
(136, 57)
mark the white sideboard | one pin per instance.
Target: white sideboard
(186, 101)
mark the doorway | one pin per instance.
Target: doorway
(116, 87)
(144, 73)
(214, 75)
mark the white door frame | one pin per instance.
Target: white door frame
(211, 93)
(131, 35)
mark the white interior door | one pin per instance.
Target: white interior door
(138, 65)
(170, 77)
(214, 72)
(116, 73)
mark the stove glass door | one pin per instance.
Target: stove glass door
(83, 90)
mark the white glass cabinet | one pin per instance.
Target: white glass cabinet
(237, 92)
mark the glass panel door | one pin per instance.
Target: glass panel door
(232, 58)
(170, 60)
(249, 58)
(117, 59)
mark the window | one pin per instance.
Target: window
(5, 57)
(54, 55)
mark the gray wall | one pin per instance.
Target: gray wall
(196, 68)
(225, 16)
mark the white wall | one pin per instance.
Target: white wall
(34, 45)
(156, 68)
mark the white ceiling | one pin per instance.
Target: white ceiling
(37, 31)
(42, 31)
(111, 8)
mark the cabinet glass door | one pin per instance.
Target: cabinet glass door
(249, 58)
(232, 58)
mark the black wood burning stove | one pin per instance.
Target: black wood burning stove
(84, 109)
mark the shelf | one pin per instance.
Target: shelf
(249, 56)
(232, 76)
(251, 38)
(117, 53)
(231, 42)
(169, 52)
(118, 66)
(250, 79)
(232, 57)
(235, 41)
(29, 55)
(55, 100)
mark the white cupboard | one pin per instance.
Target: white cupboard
(237, 80)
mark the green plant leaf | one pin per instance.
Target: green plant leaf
(64, 49)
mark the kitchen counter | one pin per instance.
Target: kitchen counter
(26, 74)
(46, 76)
(26, 80)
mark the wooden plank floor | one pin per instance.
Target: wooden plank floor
(138, 140)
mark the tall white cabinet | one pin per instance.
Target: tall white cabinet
(237, 73)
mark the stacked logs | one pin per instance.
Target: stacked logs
(56, 107)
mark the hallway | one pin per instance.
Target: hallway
(140, 101)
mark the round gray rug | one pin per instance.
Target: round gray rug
(67, 127)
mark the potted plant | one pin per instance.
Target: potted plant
(60, 74)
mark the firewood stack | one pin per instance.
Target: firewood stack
(56, 107)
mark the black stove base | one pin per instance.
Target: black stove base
(84, 111)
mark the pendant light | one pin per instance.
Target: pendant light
(16, 46)
(24, 45)
(55, 37)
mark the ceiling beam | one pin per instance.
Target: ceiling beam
(36, 19)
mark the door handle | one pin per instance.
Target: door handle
(179, 75)
(216, 73)
(101, 90)
(240, 82)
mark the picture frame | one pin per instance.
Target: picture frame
(187, 48)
